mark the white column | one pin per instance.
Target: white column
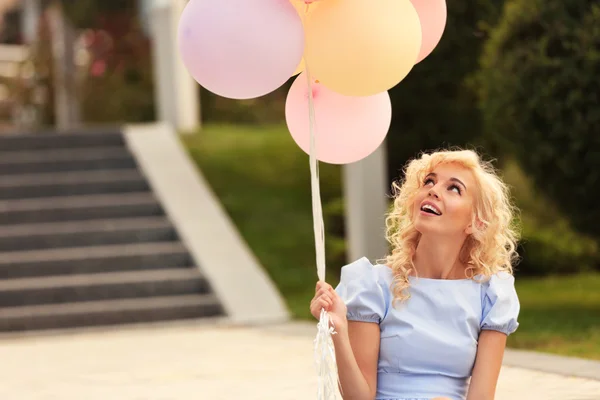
(66, 102)
(176, 92)
(188, 105)
(365, 188)
(30, 17)
(164, 93)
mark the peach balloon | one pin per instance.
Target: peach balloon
(433, 15)
(304, 6)
(347, 129)
(360, 47)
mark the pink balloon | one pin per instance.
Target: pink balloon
(433, 15)
(348, 129)
(240, 49)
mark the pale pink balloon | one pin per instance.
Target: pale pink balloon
(240, 49)
(433, 15)
(348, 129)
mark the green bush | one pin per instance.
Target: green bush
(539, 99)
(85, 14)
(549, 243)
(557, 249)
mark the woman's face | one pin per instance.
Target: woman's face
(444, 203)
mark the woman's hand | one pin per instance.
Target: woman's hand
(326, 297)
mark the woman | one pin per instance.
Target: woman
(432, 320)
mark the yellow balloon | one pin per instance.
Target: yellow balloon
(302, 8)
(362, 47)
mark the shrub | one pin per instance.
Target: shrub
(539, 99)
(555, 249)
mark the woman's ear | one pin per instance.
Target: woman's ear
(469, 229)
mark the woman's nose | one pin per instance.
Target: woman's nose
(433, 193)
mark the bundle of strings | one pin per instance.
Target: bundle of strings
(325, 360)
(324, 351)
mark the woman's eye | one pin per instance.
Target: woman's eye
(428, 181)
(455, 188)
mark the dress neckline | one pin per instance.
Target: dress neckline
(418, 278)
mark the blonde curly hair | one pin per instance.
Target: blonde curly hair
(491, 247)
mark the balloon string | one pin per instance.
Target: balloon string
(318, 224)
(324, 350)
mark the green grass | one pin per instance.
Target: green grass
(263, 181)
(559, 314)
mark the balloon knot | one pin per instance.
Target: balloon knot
(315, 92)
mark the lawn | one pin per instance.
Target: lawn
(560, 315)
(263, 181)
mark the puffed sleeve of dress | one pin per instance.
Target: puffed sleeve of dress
(362, 292)
(500, 304)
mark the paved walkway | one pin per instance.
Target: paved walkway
(201, 361)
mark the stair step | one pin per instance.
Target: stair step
(84, 241)
(71, 183)
(50, 160)
(85, 233)
(94, 259)
(104, 286)
(49, 155)
(52, 140)
(108, 312)
(78, 208)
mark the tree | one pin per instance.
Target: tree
(120, 71)
(9, 22)
(435, 106)
(539, 98)
(86, 14)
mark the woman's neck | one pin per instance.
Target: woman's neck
(437, 258)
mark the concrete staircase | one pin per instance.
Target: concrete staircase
(83, 240)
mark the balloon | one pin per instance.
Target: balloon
(304, 8)
(433, 15)
(240, 49)
(348, 129)
(360, 47)
(301, 5)
(300, 67)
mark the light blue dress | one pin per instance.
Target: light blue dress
(428, 343)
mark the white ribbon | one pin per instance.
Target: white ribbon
(324, 351)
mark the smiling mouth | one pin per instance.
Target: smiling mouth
(428, 208)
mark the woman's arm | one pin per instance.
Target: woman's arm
(488, 362)
(356, 345)
(357, 352)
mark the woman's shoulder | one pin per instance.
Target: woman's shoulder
(501, 281)
(500, 303)
(364, 288)
(364, 270)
